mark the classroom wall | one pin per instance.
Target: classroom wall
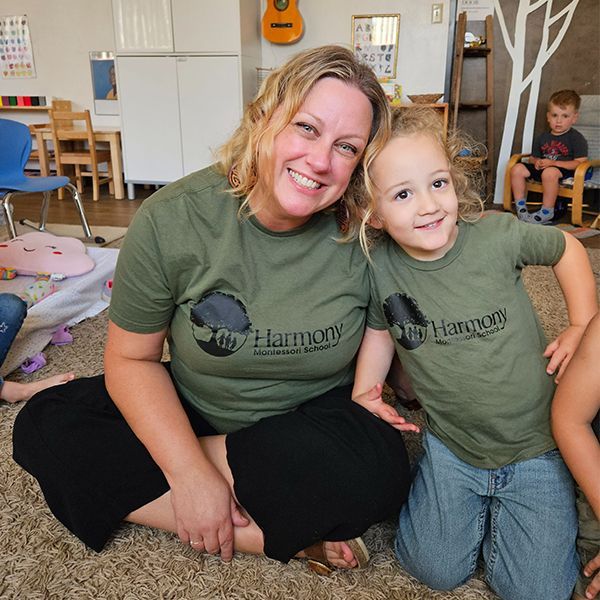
(63, 33)
(422, 45)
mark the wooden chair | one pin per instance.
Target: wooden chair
(573, 187)
(40, 153)
(87, 156)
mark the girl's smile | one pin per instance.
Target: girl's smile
(416, 202)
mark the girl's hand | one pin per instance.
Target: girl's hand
(594, 565)
(205, 512)
(373, 402)
(561, 350)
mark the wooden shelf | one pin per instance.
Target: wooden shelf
(46, 108)
(476, 51)
(474, 105)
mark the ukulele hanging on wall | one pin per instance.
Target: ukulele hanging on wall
(282, 22)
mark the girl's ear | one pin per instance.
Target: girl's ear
(375, 222)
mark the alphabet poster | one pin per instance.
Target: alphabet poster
(375, 42)
(16, 53)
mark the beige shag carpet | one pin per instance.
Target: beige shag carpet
(40, 560)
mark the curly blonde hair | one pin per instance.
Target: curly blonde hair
(464, 159)
(249, 150)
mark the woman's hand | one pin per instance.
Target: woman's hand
(561, 350)
(206, 512)
(373, 402)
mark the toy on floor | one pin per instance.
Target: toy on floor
(47, 257)
(34, 363)
(106, 294)
(61, 336)
(39, 252)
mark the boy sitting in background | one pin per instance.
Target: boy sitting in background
(555, 155)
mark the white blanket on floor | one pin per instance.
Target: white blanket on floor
(77, 298)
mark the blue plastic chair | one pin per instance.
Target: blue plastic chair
(15, 147)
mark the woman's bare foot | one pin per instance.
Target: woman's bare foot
(341, 555)
(12, 391)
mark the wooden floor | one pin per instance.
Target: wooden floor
(108, 211)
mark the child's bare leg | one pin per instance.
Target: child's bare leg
(550, 180)
(12, 391)
(518, 176)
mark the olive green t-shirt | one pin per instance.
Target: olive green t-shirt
(259, 321)
(466, 331)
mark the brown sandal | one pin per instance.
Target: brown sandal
(317, 559)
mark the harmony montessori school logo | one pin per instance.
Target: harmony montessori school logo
(411, 327)
(221, 326)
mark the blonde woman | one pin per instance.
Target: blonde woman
(249, 441)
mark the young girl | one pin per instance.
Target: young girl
(576, 428)
(449, 298)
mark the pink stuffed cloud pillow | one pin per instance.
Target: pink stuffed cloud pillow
(41, 252)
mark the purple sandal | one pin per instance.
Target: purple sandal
(35, 362)
(62, 336)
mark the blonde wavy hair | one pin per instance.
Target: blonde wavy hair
(463, 156)
(249, 151)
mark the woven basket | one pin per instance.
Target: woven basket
(424, 98)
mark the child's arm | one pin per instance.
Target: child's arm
(574, 274)
(576, 403)
(373, 363)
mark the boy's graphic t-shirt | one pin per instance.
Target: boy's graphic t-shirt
(565, 147)
(259, 321)
(466, 332)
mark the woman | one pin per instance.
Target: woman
(249, 441)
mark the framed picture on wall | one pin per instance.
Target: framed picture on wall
(104, 83)
(375, 42)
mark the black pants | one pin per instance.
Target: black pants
(327, 470)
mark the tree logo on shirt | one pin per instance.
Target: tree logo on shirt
(220, 324)
(407, 322)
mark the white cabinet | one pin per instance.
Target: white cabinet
(175, 111)
(185, 69)
(143, 25)
(179, 25)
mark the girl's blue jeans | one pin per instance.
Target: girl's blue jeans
(520, 517)
(12, 314)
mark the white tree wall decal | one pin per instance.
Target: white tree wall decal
(519, 81)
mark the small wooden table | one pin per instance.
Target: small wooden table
(112, 135)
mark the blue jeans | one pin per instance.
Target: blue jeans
(521, 517)
(12, 314)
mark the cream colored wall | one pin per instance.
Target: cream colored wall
(63, 32)
(422, 45)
